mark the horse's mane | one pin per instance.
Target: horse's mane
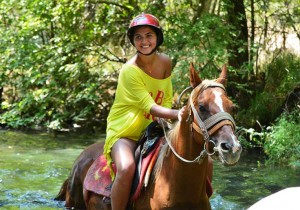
(173, 132)
(165, 149)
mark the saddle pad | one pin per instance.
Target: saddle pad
(98, 177)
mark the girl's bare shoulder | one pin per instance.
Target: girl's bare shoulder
(166, 63)
(132, 60)
(164, 57)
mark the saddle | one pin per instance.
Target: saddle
(98, 179)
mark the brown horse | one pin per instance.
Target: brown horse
(179, 181)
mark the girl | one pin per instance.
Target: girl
(144, 92)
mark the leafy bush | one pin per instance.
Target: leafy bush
(283, 143)
(53, 69)
(250, 138)
(203, 42)
(281, 78)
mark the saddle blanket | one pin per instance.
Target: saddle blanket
(98, 179)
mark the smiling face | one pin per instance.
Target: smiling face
(145, 39)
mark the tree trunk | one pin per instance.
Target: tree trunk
(201, 7)
(237, 18)
(238, 48)
(252, 52)
(215, 7)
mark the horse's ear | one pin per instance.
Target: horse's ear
(194, 77)
(223, 76)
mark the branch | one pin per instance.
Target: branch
(122, 60)
(115, 59)
(128, 8)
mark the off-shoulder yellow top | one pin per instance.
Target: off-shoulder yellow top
(130, 114)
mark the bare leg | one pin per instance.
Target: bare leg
(123, 156)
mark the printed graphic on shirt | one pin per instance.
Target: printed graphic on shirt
(159, 98)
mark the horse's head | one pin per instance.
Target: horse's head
(211, 117)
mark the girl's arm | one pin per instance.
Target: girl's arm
(162, 112)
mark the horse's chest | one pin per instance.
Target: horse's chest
(164, 198)
(184, 206)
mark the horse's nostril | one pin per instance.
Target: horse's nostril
(225, 146)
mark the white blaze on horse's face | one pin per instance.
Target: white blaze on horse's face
(218, 100)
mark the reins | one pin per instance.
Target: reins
(198, 159)
(205, 128)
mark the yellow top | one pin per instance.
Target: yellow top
(136, 93)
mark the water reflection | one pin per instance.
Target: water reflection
(33, 167)
(240, 186)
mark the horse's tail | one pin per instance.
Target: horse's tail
(61, 196)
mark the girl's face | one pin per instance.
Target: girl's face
(144, 39)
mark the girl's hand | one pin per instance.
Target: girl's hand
(182, 113)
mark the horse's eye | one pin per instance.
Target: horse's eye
(201, 108)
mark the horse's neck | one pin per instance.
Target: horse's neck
(187, 148)
(186, 143)
(179, 181)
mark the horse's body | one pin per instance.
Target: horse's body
(181, 170)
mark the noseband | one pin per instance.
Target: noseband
(207, 127)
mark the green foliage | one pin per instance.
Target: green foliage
(52, 73)
(283, 143)
(203, 42)
(250, 138)
(282, 76)
(59, 60)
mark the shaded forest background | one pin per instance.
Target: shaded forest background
(59, 61)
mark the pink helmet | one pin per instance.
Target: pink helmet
(146, 20)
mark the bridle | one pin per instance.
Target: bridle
(205, 128)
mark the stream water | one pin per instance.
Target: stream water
(33, 167)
